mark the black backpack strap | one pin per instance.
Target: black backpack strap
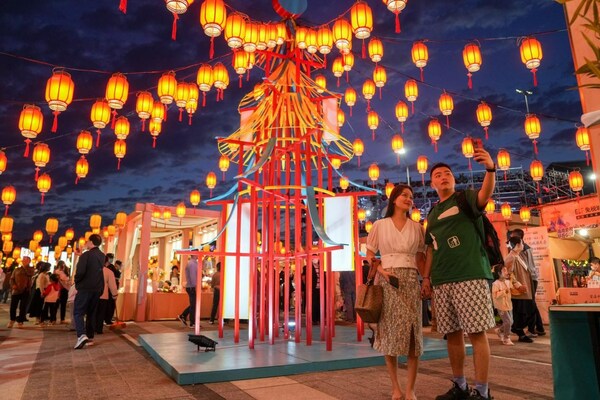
(465, 208)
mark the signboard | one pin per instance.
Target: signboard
(340, 229)
(537, 239)
(565, 217)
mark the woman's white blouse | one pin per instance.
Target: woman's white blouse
(398, 249)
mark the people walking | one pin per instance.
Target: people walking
(215, 283)
(501, 295)
(50, 296)
(191, 272)
(20, 286)
(103, 310)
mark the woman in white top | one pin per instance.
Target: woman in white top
(400, 241)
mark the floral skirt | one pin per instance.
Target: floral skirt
(401, 314)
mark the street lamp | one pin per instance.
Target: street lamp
(526, 94)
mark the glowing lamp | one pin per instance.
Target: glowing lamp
(6, 224)
(368, 89)
(344, 182)
(361, 214)
(388, 189)
(38, 235)
(397, 146)
(120, 149)
(324, 40)
(3, 162)
(348, 61)
(44, 183)
(422, 164)
(281, 33)
(411, 91)
(167, 86)
(95, 221)
(337, 67)
(373, 172)
(341, 117)
(395, 6)
(336, 163)
(41, 155)
(223, 164)
(342, 35)
(250, 37)
(31, 121)
(446, 105)
(301, 32)
(156, 213)
(9, 194)
(204, 78)
(271, 36)
(379, 76)
(121, 220)
(33, 245)
(111, 229)
(240, 62)
(375, 50)
(235, 30)
(472, 60)
(531, 55)
(117, 91)
(7, 246)
(62, 242)
(350, 97)
(420, 56)
(484, 116)
(361, 20)
(490, 207)
(211, 181)
(467, 147)
(533, 126)
(213, 16)
(575, 181)
(180, 210)
(100, 116)
(158, 112)
(166, 215)
(372, 120)
(503, 161)
(194, 198)
(582, 138)
(415, 215)
(82, 168)
(220, 76)
(182, 95)
(401, 112)
(536, 170)
(434, 130)
(122, 127)
(84, 142)
(321, 83)
(368, 226)
(525, 214)
(506, 211)
(59, 93)
(358, 147)
(69, 234)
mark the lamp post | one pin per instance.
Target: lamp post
(526, 94)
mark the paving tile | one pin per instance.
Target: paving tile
(289, 392)
(263, 382)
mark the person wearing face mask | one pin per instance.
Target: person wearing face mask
(595, 269)
(520, 275)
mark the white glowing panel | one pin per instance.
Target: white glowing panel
(340, 228)
(230, 263)
(331, 130)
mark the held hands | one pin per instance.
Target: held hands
(481, 156)
(426, 288)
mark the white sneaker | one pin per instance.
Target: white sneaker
(81, 341)
(500, 334)
(508, 342)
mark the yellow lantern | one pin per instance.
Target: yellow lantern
(40, 157)
(180, 210)
(69, 234)
(204, 78)
(575, 181)
(372, 122)
(220, 76)
(182, 95)
(156, 213)
(506, 211)
(194, 93)
(9, 194)
(368, 90)
(434, 129)
(59, 94)
(301, 32)
(536, 170)
(167, 86)
(468, 149)
(51, 227)
(350, 98)
(401, 113)
(422, 166)
(324, 40)
(84, 142)
(525, 214)
(82, 168)
(89, 233)
(224, 164)
(321, 83)
(117, 91)
(100, 114)
(342, 35)
(337, 67)
(6, 236)
(368, 226)
(472, 60)
(44, 183)
(348, 61)
(490, 207)
(95, 221)
(415, 215)
(397, 147)
(213, 17)
(3, 162)
(194, 198)
(358, 147)
(484, 116)
(211, 181)
(82, 240)
(250, 37)
(38, 236)
(336, 163)
(531, 55)
(582, 138)
(375, 50)
(533, 127)
(62, 242)
(158, 112)
(420, 56)
(122, 127)
(361, 20)
(373, 172)
(166, 215)
(6, 224)
(121, 220)
(341, 117)
(271, 36)
(33, 245)
(344, 182)
(7, 246)
(281, 33)
(120, 149)
(155, 129)
(235, 30)
(105, 232)
(411, 91)
(446, 105)
(31, 121)
(388, 189)
(503, 161)
(361, 214)
(379, 77)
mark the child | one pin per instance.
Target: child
(502, 302)
(50, 295)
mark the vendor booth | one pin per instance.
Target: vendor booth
(152, 284)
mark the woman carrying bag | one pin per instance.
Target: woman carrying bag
(400, 241)
(522, 297)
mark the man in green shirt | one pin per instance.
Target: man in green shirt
(458, 269)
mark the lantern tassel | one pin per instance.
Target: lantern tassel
(55, 122)
(76, 179)
(143, 125)
(358, 161)
(373, 134)
(118, 164)
(435, 147)
(98, 138)
(114, 119)
(380, 89)
(166, 109)
(190, 119)
(211, 51)
(347, 76)
(505, 178)
(412, 105)
(174, 30)
(154, 142)
(364, 50)
(37, 173)
(538, 186)
(204, 99)
(350, 111)
(402, 127)
(123, 6)
(422, 75)
(240, 80)
(486, 133)
(180, 114)
(338, 81)
(368, 105)
(423, 179)
(42, 198)
(223, 176)
(6, 210)
(26, 154)
(470, 83)
(535, 148)
(248, 75)
(447, 122)
(470, 167)
(397, 159)
(533, 71)
(397, 21)
(324, 60)
(587, 158)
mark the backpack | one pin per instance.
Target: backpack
(489, 237)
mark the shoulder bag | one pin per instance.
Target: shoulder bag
(369, 297)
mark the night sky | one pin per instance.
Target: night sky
(93, 39)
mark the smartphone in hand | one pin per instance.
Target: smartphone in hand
(394, 282)
(477, 143)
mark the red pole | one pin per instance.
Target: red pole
(298, 242)
(360, 327)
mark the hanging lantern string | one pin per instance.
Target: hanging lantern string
(393, 39)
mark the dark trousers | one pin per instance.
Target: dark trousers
(19, 301)
(4, 295)
(85, 306)
(62, 301)
(101, 310)
(110, 310)
(535, 322)
(349, 300)
(49, 309)
(215, 304)
(191, 309)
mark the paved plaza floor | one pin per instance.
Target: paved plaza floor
(40, 363)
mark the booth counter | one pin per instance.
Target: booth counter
(578, 296)
(161, 305)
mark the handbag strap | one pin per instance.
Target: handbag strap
(372, 271)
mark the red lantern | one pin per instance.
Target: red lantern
(536, 170)
(575, 181)
(117, 91)
(122, 127)
(361, 20)
(213, 16)
(472, 60)
(235, 30)
(484, 116)
(358, 148)
(167, 86)
(503, 161)
(397, 147)
(220, 79)
(375, 50)
(468, 149)
(342, 35)
(490, 207)
(251, 37)
(411, 91)
(434, 129)
(31, 121)
(9, 194)
(446, 106)
(401, 113)
(84, 142)
(582, 138)
(43, 184)
(525, 214)
(120, 149)
(324, 40)
(420, 56)
(100, 116)
(40, 157)
(211, 181)
(533, 128)
(531, 55)
(59, 94)
(81, 169)
(194, 198)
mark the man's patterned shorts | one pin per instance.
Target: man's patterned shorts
(465, 306)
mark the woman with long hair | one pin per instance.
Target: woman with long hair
(400, 241)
